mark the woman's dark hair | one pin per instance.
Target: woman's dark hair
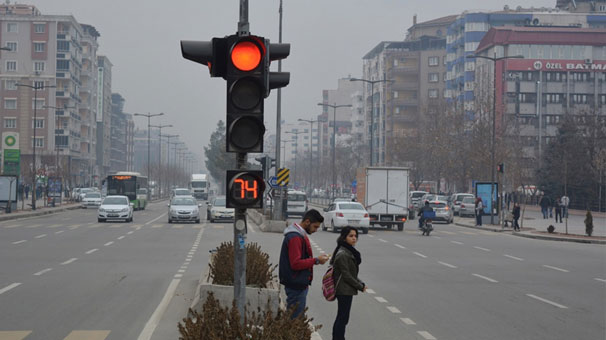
(344, 232)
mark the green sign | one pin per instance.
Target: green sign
(12, 161)
(10, 140)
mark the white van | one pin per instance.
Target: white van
(297, 203)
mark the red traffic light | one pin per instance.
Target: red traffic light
(245, 189)
(246, 55)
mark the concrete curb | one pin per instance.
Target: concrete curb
(499, 230)
(563, 239)
(17, 216)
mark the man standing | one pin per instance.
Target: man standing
(564, 201)
(544, 203)
(297, 261)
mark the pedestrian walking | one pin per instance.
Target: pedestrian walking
(346, 264)
(20, 193)
(551, 205)
(565, 201)
(479, 211)
(544, 203)
(558, 209)
(27, 191)
(297, 261)
(516, 217)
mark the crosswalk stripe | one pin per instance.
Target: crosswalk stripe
(446, 232)
(87, 335)
(177, 226)
(157, 226)
(33, 225)
(218, 226)
(197, 226)
(136, 226)
(14, 335)
(116, 225)
(12, 226)
(55, 225)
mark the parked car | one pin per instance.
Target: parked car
(180, 192)
(115, 208)
(92, 199)
(442, 210)
(297, 203)
(83, 192)
(467, 207)
(183, 209)
(415, 199)
(75, 196)
(455, 201)
(346, 214)
(218, 210)
(341, 199)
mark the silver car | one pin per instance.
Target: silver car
(456, 200)
(92, 199)
(115, 208)
(183, 208)
(442, 210)
(467, 207)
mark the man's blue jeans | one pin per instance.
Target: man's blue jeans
(296, 297)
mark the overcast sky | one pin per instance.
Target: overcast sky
(328, 39)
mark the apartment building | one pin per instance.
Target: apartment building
(583, 6)
(104, 115)
(88, 102)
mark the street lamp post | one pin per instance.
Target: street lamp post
(160, 155)
(56, 148)
(334, 141)
(372, 108)
(35, 87)
(148, 115)
(311, 127)
(494, 60)
(168, 137)
(296, 133)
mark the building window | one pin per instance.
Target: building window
(11, 66)
(12, 45)
(433, 93)
(10, 104)
(38, 84)
(395, 94)
(10, 123)
(62, 45)
(39, 47)
(602, 100)
(434, 61)
(39, 104)
(554, 98)
(527, 97)
(62, 65)
(395, 62)
(39, 142)
(39, 28)
(397, 110)
(38, 123)
(580, 76)
(39, 66)
(12, 27)
(579, 98)
(434, 77)
(10, 85)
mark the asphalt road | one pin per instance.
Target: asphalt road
(65, 276)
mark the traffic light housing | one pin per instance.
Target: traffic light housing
(500, 168)
(245, 189)
(210, 53)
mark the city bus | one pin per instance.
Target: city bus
(130, 184)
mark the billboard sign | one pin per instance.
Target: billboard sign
(483, 190)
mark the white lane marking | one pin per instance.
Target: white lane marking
(400, 246)
(484, 249)
(380, 299)
(73, 259)
(370, 291)
(320, 250)
(59, 232)
(40, 236)
(109, 243)
(130, 232)
(456, 242)
(154, 220)
(394, 310)
(485, 278)
(19, 241)
(513, 257)
(153, 321)
(601, 280)
(157, 226)
(546, 301)
(382, 240)
(408, 321)
(371, 235)
(556, 268)
(178, 226)
(178, 276)
(434, 236)
(92, 251)
(419, 254)
(9, 287)
(181, 271)
(447, 265)
(43, 271)
(121, 237)
(426, 335)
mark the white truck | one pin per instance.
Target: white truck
(199, 186)
(384, 193)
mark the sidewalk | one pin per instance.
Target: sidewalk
(530, 232)
(40, 210)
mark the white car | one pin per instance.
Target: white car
(115, 208)
(83, 193)
(183, 209)
(218, 211)
(180, 192)
(92, 199)
(297, 203)
(346, 214)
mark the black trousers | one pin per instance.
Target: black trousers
(344, 307)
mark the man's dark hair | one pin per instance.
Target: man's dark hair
(313, 216)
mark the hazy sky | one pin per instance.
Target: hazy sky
(328, 39)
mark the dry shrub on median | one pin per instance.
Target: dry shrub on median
(221, 323)
(259, 272)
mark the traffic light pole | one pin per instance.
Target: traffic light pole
(277, 212)
(240, 248)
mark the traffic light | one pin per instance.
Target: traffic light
(500, 168)
(210, 53)
(245, 189)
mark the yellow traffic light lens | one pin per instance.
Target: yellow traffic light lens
(246, 56)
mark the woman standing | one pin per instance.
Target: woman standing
(516, 217)
(346, 262)
(479, 211)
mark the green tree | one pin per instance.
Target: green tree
(217, 160)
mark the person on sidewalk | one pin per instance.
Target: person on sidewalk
(27, 191)
(297, 261)
(479, 211)
(565, 201)
(516, 217)
(346, 263)
(558, 209)
(544, 203)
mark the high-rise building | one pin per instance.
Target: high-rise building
(118, 150)
(88, 102)
(582, 6)
(104, 114)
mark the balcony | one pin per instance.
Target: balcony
(553, 109)
(397, 70)
(403, 86)
(403, 101)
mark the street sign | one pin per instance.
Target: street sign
(273, 181)
(283, 177)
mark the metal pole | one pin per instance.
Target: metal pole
(278, 210)
(148, 154)
(334, 148)
(34, 148)
(311, 127)
(160, 162)
(539, 103)
(240, 248)
(492, 143)
(372, 119)
(243, 25)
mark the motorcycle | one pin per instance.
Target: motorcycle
(427, 225)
